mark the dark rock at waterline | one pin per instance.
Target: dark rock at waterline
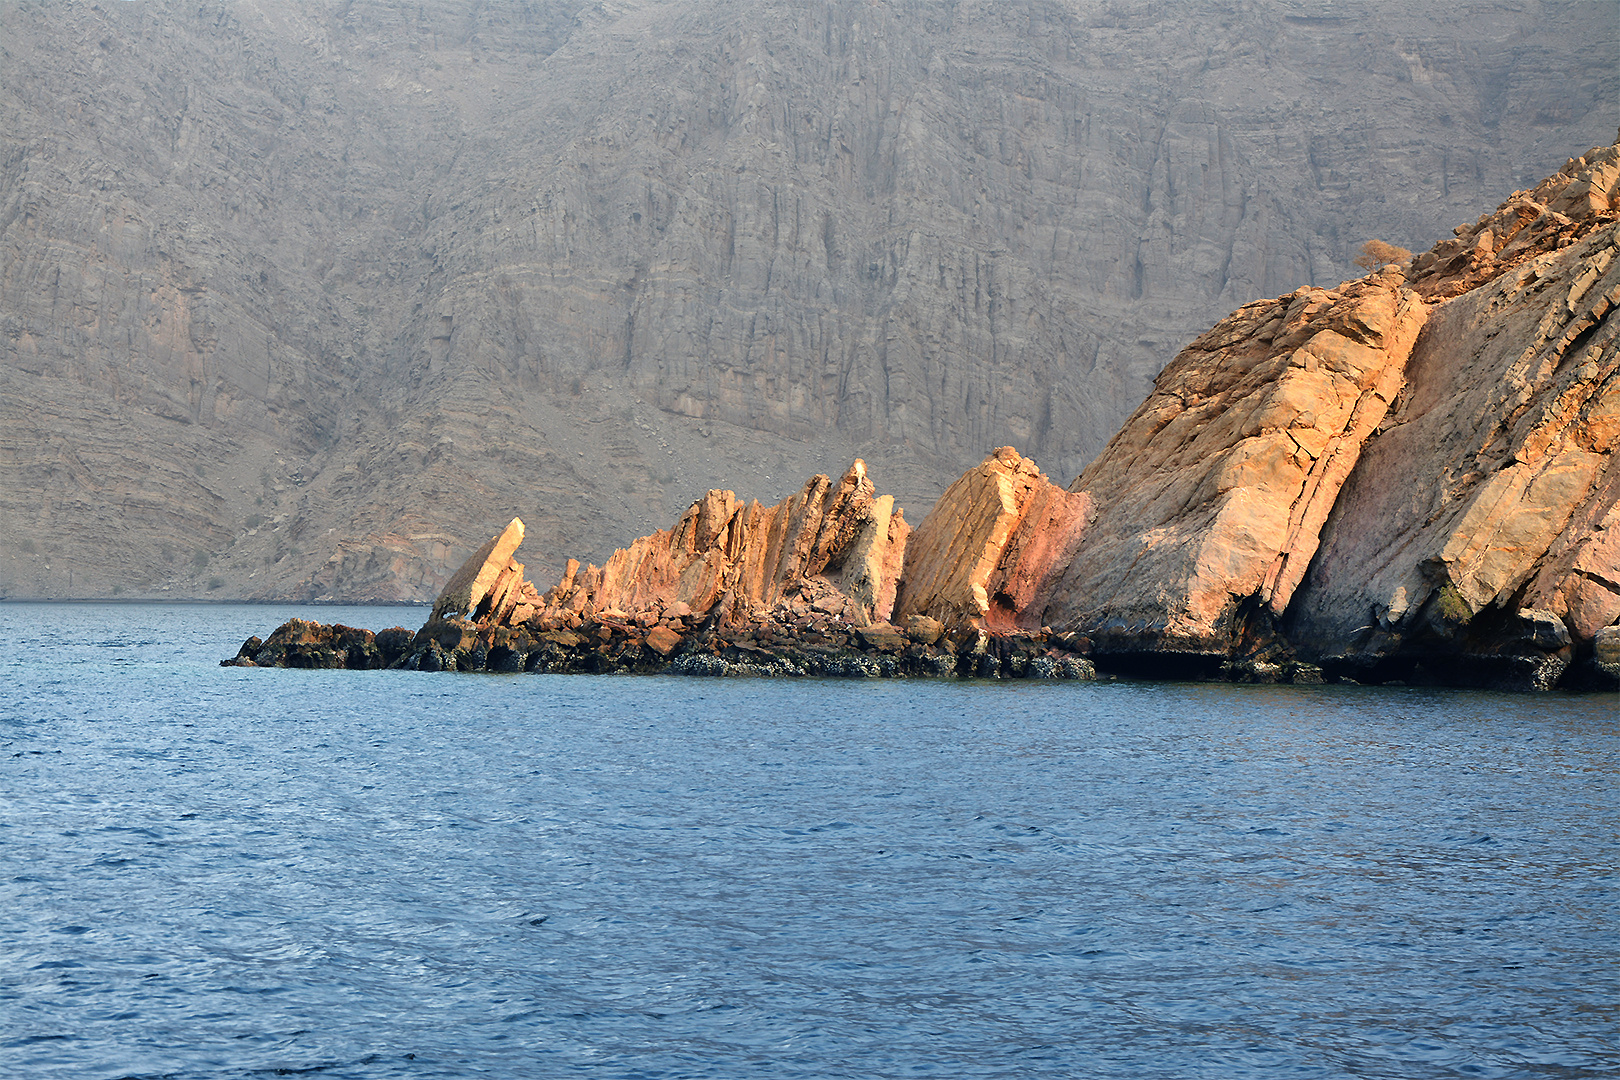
(624, 648)
(298, 643)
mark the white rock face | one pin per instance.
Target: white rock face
(307, 301)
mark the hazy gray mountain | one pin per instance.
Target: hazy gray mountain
(307, 300)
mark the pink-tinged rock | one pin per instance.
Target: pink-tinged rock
(1210, 500)
(986, 555)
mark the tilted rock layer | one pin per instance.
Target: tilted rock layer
(1393, 487)
(992, 545)
(1487, 512)
(1410, 476)
(748, 561)
(1214, 492)
(822, 563)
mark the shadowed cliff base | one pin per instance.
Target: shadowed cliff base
(1408, 478)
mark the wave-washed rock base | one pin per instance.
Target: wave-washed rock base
(610, 648)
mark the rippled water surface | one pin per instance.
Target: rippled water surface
(211, 872)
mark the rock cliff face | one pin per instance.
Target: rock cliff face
(1211, 498)
(1481, 531)
(302, 300)
(1340, 483)
(1388, 488)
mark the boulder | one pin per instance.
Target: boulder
(1604, 663)
(662, 640)
(924, 630)
(882, 637)
(988, 551)
(1541, 629)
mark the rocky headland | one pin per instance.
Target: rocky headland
(1406, 478)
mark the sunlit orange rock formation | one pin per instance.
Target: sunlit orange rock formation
(1211, 498)
(746, 561)
(1408, 477)
(821, 566)
(988, 553)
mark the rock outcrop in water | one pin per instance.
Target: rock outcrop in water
(1358, 478)
(1409, 477)
(992, 546)
(838, 546)
(803, 587)
(298, 643)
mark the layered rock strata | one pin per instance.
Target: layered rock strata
(1409, 477)
(1480, 538)
(803, 587)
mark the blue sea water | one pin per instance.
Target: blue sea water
(215, 872)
